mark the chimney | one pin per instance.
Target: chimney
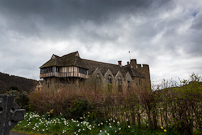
(119, 63)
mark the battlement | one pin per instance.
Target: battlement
(145, 66)
(133, 63)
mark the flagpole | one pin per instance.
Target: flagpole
(129, 54)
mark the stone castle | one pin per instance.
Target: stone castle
(71, 69)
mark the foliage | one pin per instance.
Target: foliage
(77, 108)
(34, 124)
(21, 98)
(13, 88)
(8, 82)
(176, 106)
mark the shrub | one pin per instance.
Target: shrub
(21, 98)
(78, 108)
(63, 101)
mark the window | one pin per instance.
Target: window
(109, 83)
(57, 69)
(98, 79)
(140, 81)
(129, 85)
(109, 80)
(83, 71)
(47, 70)
(119, 84)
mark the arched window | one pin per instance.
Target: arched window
(98, 78)
(109, 83)
(128, 85)
(119, 84)
(109, 80)
(140, 81)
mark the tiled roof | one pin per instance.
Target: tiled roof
(103, 67)
(133, 72)
(51, 62)
(67, 60)
(73, 59)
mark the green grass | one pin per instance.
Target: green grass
(36, 124)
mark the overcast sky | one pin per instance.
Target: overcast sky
(166, 34)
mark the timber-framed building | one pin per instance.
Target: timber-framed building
(71, 69)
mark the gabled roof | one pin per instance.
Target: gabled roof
(133, 72)
(103, 67)
(51, 62)
(71, 59)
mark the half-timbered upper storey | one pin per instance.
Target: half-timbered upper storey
(70, 65)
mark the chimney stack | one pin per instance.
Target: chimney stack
(119, 63)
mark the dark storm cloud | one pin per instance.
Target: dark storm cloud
(33, 16)
(161, 33)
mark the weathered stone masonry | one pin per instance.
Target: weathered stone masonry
(71, 69)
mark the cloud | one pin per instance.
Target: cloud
(164, 34)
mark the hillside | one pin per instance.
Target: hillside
(7, 81)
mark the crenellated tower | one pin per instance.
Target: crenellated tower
(143, 69)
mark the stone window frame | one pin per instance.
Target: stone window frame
(98, 78)
(109, 83)
(120, 89)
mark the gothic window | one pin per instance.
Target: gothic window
(109, 83)
(140, 81)
(119, 84)
(109, 80)
(128, 85)
(98, 79)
